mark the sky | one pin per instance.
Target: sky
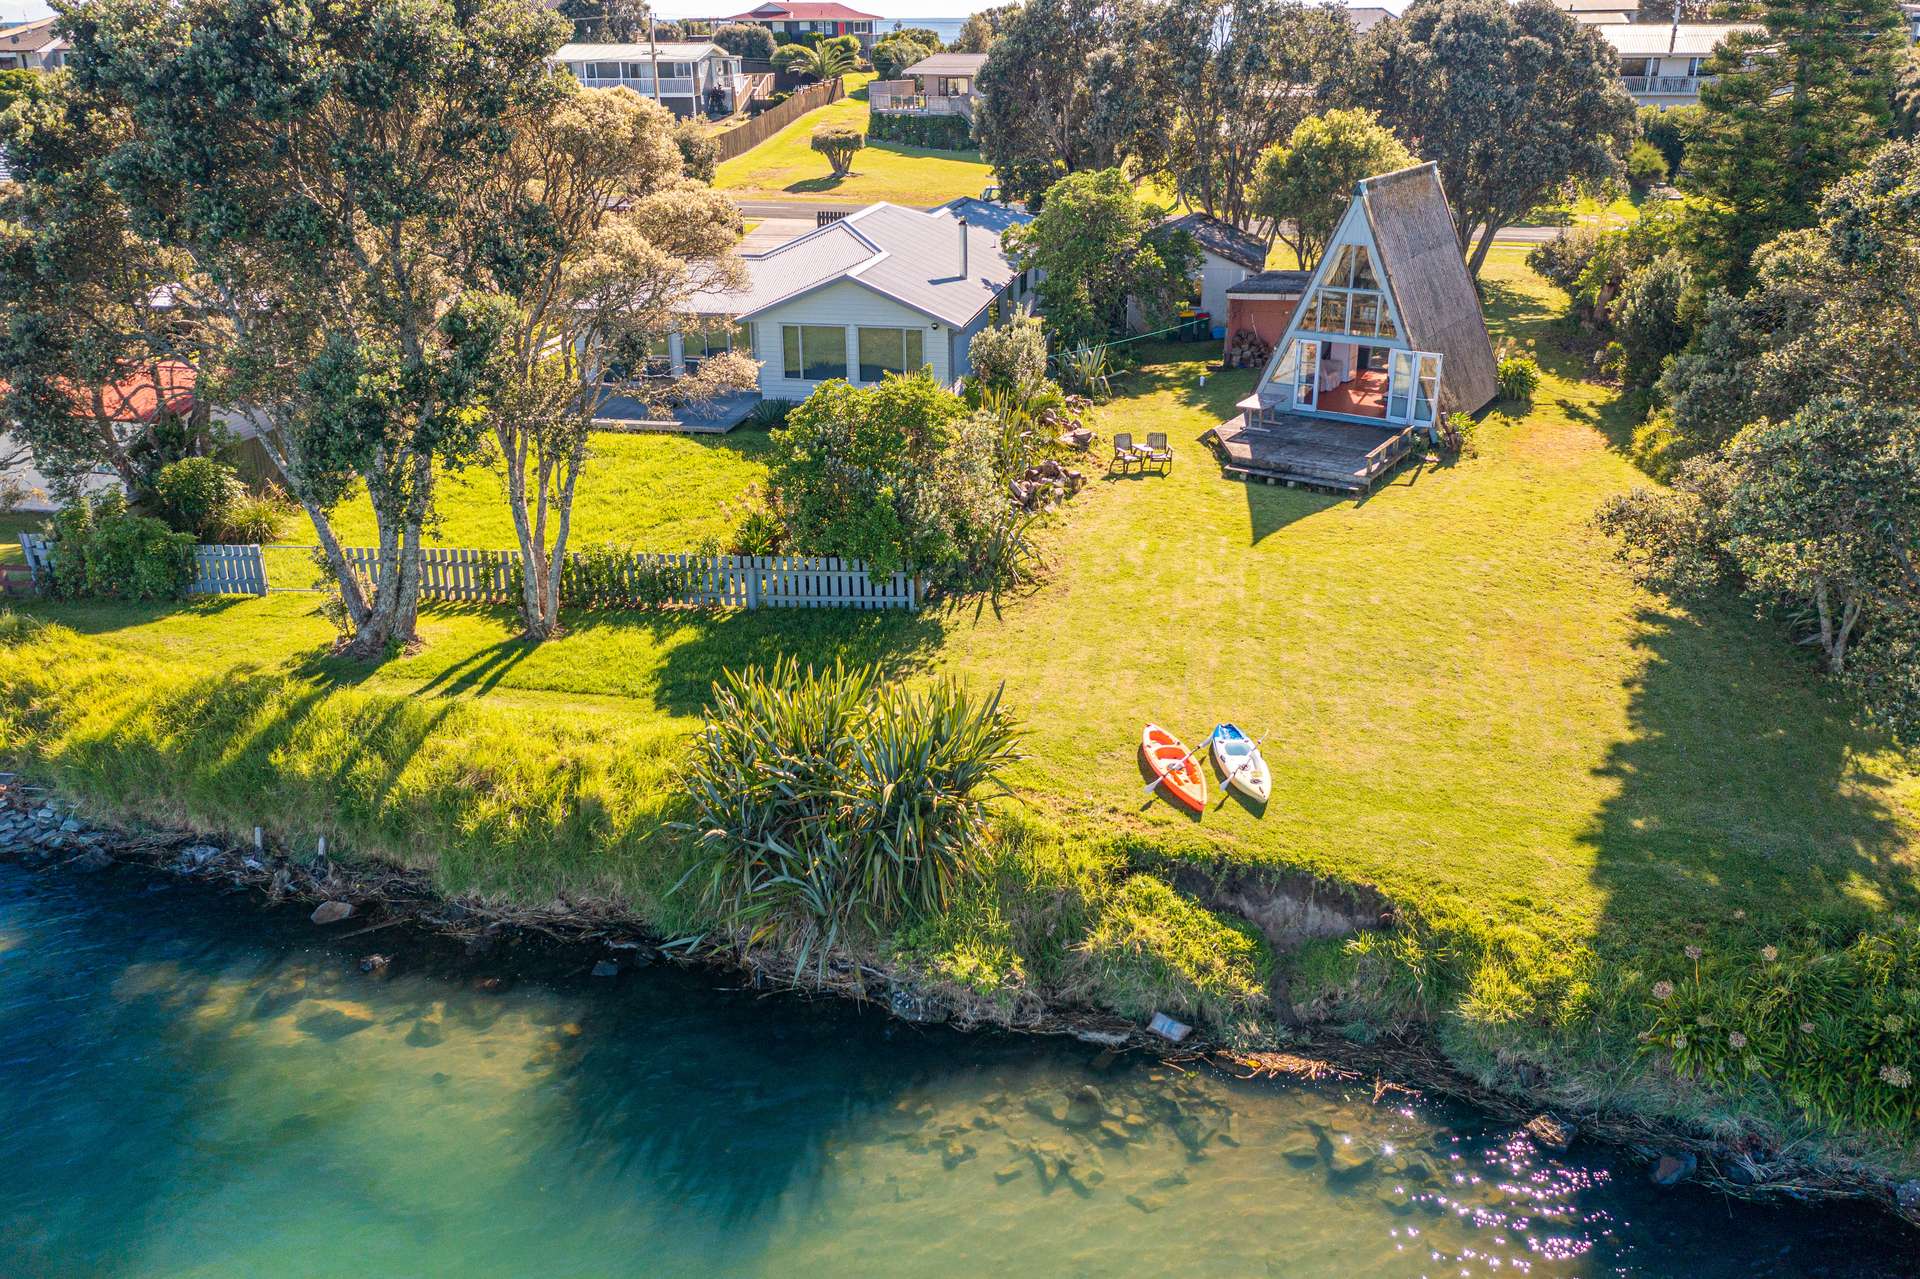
(20, 10)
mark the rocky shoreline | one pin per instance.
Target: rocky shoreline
(349, 901)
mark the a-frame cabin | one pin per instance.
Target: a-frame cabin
(1387, 340)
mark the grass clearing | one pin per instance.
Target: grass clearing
(1565, 780)
(785, 166)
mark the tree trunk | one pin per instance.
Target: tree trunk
(351, 595)
(1479, 257)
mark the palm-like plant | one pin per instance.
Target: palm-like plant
(814, 62)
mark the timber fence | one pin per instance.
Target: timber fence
(594, 579)
(742, 138)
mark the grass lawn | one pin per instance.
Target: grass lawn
(1466, 702)
(12, 525)
(785, 166)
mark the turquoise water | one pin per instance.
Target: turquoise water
(191, 1084)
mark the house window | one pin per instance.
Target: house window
(659, 357)
(696, 348)
(884, 351)
(1633, 68)
(813, 352)
(1350, 300)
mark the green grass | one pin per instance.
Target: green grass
(12, 525)
(785, 166)
(1559, 778)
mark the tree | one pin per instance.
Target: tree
(838, 142)
(823, 61)
(982, 28)
(331, 187)
(1099, 245)
(1821, 510)
(1785, 112)
(1237, 96)
(14, 83)
(1072, 85)
(90, 330)
(745, 40)
(899, 50)
(699, 153)
(1906, 96)
(616, 21)
(1651, 318)
(606, 245)
(1670, 131)
(1303, 186)
(1011, 356)
(1512, 101)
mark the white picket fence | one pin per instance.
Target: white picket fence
(217, 570)
(643, 579)
(648, 578)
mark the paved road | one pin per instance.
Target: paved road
(781, 220)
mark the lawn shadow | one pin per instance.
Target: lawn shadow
(1741, 788)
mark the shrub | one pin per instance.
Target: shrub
(838, 142)
(1657, 447)
(830, 805)
(1646, 167)
(1565, 258)
(770, 414)
(1010, 356)
(745, 40)
(699, 153)
(1652, 316)
(1085, 371)
(935, 132)
(1669, 132)
(1456, 434)
(101, 549)
(196, 495)
(256, 518)
(1519, 377)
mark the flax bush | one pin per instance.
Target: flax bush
(832, 804)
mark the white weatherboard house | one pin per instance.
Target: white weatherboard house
(1388, 338)
(884, 290)
(1661, 62)
(697, 77)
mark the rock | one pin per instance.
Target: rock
(910, 1005)
(1550, 1133)
(1349, 1161)
(1049, 1105)
(606, 968)
(425, 1034)
(1674, 1169)
(70, 826)
(377, 965)
(332, 1025)
(1009, 1172)
(1147, 1203)
(1104, 1038)
(1169, 1029)
(1394, 1199)
(92, 860)
(1086, 1108)
(1301, 1149)
(332, 912)
(955, 1153)
(1907, 1195)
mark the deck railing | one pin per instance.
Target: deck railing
(1668, 84)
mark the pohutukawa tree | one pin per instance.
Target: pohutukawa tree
(1511, 100)
(608, 245)
(1303, 185)
(92, 334)
(330, 175)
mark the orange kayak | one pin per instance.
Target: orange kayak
(1183, 782)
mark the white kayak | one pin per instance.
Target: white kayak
(1241, 765)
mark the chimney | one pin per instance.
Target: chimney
(963, 247)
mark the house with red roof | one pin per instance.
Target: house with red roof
(790, 21)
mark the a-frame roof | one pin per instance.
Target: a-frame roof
(1419, 264)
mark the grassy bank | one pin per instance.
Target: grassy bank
(786, 167)
(1559, 782)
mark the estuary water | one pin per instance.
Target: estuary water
(193, 1084)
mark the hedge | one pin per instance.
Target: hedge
(937, 132)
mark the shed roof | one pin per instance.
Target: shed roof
(141, 396)
(954, 64)
(1366, 17)
(903, 254)
(668, 51)
(1221, 239)
(1272, 284)
(985, 213)
(1687, 40)
(1598, 6)
(1432, 290)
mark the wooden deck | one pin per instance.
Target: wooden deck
(1350, 457)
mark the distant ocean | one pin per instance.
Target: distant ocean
(947, 28)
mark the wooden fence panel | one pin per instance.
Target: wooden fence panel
(742, 138)
(217, 570)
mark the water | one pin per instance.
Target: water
(948, 29)
(191, 1085)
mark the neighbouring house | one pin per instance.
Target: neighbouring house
(697, 77)
(1660, 62)
(1228, 255)
(1259, 309)
(1599, 13)
(1366, 17)
(790, 22)
(1387, 340)
(32, 46)
(883, 290)
(1912, 11)
(939, 85)
(130, 404)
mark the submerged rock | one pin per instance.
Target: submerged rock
(425, 1034)
(1671, 1170)
(332, 912)
(606, 968)
(332, 1025)
(1550, 1133)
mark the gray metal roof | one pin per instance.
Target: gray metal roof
(903, 254)
(955, 64)
(1275, 283)
(1688, 39)
(1222, 239)
(985, 213)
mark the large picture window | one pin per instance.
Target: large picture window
(813, 352)
(1350, 301)
(884, 351)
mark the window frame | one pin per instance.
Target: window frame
(908, 336)
(799, 331)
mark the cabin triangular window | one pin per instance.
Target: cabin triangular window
(1348, 300)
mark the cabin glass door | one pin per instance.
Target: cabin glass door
(1400, 387)
(1413, 388)
(1306, 374)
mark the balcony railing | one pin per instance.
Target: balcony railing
(1663, 84)
(920, 103)
(670, 86)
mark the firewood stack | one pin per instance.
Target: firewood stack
(1245, 350)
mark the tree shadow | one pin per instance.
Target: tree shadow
(1741, 787)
